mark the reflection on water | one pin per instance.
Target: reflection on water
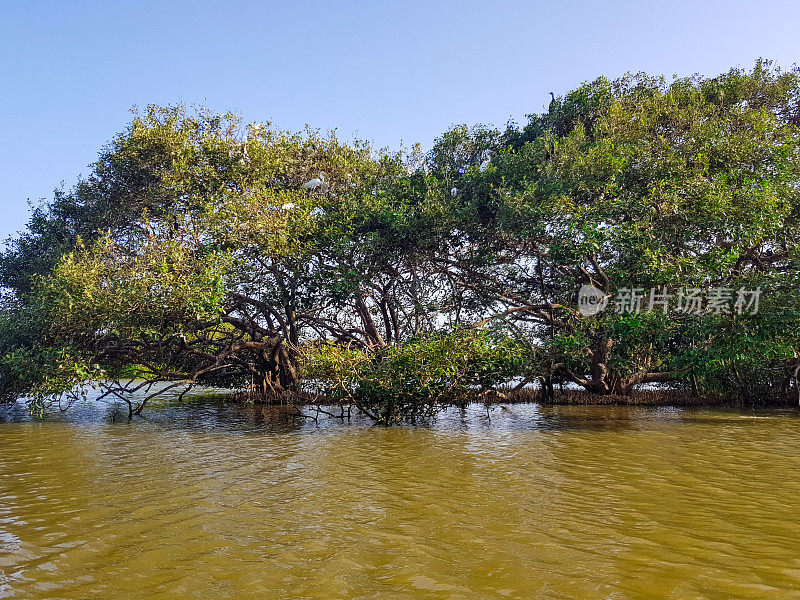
(218, 501)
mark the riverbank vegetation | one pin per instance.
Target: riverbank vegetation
(201, 251)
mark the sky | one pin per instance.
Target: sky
(390, 72)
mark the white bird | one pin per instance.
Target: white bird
(315, 183)
(288, 206)
(243, 156)
(454, 192)
(486, 162)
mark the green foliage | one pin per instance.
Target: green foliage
(43, 373)
(193, 253)
(165, 286)
(416, 378)
(637, 182)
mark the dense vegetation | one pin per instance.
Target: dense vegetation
(193, 254)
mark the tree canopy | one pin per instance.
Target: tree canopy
(194, 254)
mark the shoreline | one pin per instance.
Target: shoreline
(654, 398)
(637, 398)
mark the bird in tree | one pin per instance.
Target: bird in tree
(245, 156)
(486, 161)
(315, 183)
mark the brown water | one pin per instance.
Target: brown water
(566, 502)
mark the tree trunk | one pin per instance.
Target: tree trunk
(374, 335)
(276, 373)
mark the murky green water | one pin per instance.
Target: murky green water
(564, 502)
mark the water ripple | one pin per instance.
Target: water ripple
(215, 500)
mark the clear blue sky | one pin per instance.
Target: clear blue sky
(389, 72)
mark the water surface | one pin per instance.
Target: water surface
(220, 501)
